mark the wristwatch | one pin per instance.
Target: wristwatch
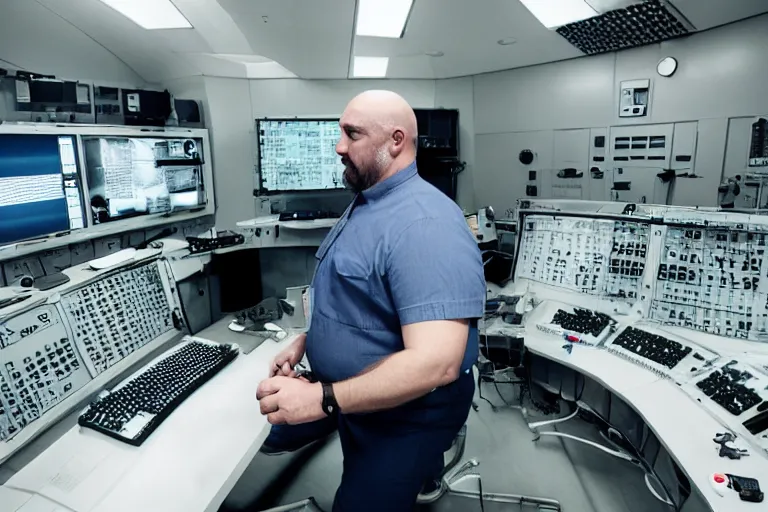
(330, 406)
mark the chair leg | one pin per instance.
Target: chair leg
(541, 504)
(467, 471)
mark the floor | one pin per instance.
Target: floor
(580, 477)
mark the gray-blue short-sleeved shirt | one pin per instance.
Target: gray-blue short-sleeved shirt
(402, 253)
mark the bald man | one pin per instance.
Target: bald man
(396, 296)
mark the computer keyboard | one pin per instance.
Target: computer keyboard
(582, 321)
(307, 215)
(726, 387)
(652, 346)
(678, 358)
(133, 410)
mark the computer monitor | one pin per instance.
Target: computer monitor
(130, 176)
(39, 186)
(299, 155)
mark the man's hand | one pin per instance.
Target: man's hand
(291, 401)
(286, 361)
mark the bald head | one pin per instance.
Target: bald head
(386, 109)
(379, 138)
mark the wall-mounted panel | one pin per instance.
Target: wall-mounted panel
(737, 146)
(570, 176)
(505, 179)
(684, 145)
(642, 146)
(599, 164)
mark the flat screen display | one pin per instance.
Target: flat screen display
(130, 176)
(40, 190)
(296, 155)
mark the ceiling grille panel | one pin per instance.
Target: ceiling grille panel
(644, 23)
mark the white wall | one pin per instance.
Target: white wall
(294, 97)
(571, 94)
(58, 48)
(230, 122)
(718, 78)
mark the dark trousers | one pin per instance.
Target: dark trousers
(388, 455)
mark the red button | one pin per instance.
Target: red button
(719, 478)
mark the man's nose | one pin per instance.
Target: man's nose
(341, 147)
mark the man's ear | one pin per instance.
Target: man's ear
(399, 139)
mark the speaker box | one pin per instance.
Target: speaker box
(439, 172)
(189, 113)
(438, 132)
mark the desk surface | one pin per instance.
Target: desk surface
(684, 427)
(190, 463)
(687, 430)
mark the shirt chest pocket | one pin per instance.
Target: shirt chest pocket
(359, 297)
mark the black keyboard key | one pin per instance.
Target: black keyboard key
(132, 412)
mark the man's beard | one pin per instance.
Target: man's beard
(358, 179)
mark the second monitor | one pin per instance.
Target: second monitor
(299, 155)
(129, 176)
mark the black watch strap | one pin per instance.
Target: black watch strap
(330, 406)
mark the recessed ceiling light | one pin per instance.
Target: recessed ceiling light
(507, 41)
(383, 18)
(556, 13)
(150, 14)
(434, 53)
(370, 67)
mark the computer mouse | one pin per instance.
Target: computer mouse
(763, 406)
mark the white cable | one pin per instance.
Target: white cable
(655, 494)
(553, 422)
(619, 455)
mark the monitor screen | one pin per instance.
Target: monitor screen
(39, 186)
(129, 176)
(299, 155)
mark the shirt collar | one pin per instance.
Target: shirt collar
(382, 188)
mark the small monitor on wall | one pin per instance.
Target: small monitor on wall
(299, 155)
(40, 189)
(132, 176)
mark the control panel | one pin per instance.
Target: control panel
(40, 367)
(592, 256)
(118, 315)
(55, 351)
(708, 279)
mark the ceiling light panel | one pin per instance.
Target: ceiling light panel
(382, 18)
(150, 14)
(370, 67)
(556, 13)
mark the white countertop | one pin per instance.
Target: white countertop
(190, 463)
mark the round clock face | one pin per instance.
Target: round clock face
(667, 66)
